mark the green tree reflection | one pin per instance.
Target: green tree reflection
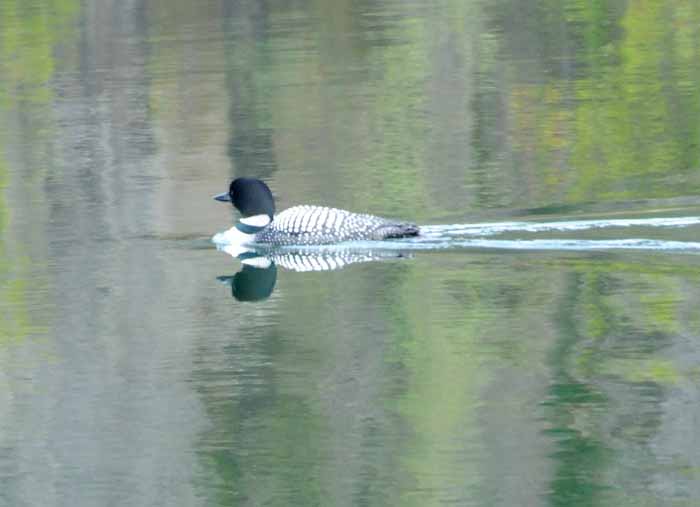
(30, 34)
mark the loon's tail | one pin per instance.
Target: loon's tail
(398, 230)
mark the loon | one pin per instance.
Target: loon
(299, 225)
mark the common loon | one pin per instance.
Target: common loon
(299, 225)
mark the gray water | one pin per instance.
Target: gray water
(539, 345)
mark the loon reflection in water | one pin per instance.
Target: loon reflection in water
(252, 283)
(257, 278)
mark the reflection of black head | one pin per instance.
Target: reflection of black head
(252, 197)
(251, 283)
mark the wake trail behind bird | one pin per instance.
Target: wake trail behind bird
(490, 229)
(480, 236)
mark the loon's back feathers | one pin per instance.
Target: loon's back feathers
(399, 230)
(305, 225)
(315, 225)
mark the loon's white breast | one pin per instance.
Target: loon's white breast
(235, 237)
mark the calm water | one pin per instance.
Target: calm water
(539, 346)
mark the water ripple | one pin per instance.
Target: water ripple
(489, 229)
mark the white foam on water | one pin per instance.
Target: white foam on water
(584, 245)
(490, 229)
(526, 245)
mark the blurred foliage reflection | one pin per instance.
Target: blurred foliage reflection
(466, 377)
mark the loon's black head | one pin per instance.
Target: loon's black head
(250, 196)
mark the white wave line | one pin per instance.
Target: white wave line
(488, 229)
(395, 247)
(586, 245)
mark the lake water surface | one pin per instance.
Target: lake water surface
(539, 345)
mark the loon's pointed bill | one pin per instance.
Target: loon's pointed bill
(300, 225)
(224, 197)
